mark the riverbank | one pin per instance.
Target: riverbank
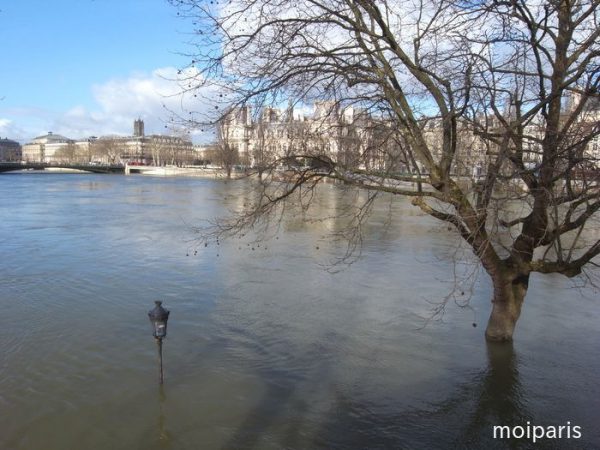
(175, 171)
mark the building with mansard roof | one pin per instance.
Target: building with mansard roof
(355, 138)
(10, 150)
(348, 135)
(43, 148)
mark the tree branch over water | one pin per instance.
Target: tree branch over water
(486, 113)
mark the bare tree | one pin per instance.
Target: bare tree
(158, 151)
(175, 150)
(108, 149)
(227, 154)
(66, 154)
(263, 150)
(521, 76)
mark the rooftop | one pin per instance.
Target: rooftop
(7, 141)
(50, 138)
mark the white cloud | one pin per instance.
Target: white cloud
(9, 130)
(155, 97)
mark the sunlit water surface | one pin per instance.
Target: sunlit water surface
(266, 348)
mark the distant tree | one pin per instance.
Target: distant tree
(173, 148)
(522, 75)
(108, 149)
(263, 153)
(68, 153)
(226, 154)
(158, 151)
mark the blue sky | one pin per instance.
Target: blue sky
(87, 67)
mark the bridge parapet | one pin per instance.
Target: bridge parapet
(94, 168)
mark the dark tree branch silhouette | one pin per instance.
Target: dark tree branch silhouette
(519, 78)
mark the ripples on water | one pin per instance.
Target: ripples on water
(266, 349)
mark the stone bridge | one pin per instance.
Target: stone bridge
(95, 168)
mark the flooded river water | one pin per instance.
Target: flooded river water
(266, 347)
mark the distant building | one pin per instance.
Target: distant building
(138, 128)
(355, 138)
(44, 148)
(10, 150)
(203, 153)
(589, 124)
(155, 149)
(349, 135)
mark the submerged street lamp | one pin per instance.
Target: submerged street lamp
(158, 318)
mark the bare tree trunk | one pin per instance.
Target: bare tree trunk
(509, 293)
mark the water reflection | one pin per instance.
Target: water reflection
(255, 430)
(499, 399)
(164, 437)
(268, 350)
(462, 420)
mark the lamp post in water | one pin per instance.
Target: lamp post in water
(158, 318)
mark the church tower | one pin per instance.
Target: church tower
(138, 128)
